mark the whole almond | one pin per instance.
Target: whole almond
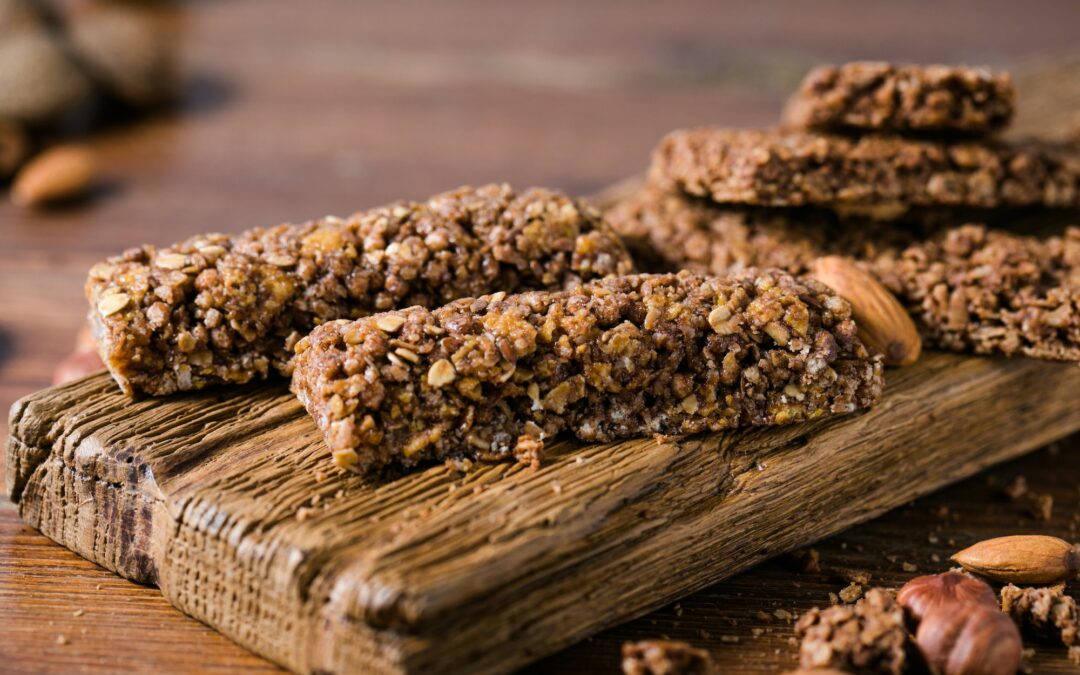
(1022, 559)
(884, 325)
(58, 174)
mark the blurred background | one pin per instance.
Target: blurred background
(219, 116)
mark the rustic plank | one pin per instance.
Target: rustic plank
(200, 494)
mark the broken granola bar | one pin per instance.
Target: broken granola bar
(881, 176)
(219, 309)
(969, 288)
(493, 377)
(867, 637)
(873, 96)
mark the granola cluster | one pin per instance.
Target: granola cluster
(1044, 611)
(665, 657)
(218, 309)
(969, 287)
(874, 96)
(493, 377)
(883, 175)
(867, 637)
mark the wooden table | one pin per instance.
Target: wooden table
(299, 109)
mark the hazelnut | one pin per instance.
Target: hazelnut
(969, 638)
(923, 594)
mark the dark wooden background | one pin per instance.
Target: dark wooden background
(298, 109)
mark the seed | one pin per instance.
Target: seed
(171, 261)
(390, 323)
(278, 260)
(111, 304)
(1022, 559)
(718, 319)
(407, 354)
(441, 373)
(690, 404)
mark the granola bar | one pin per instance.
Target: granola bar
(218, 309)
(970, 288)
(880, 175)
(492, 377)
(867, 637)
(883, 97)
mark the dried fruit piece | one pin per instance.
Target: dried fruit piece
(1022, 559)
(665, 657)
(884, 324)
(61, 173)
(924, 594)
(969, 638)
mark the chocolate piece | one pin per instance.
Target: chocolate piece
(218, 309)
(969, 288)
(867, 637)
(665, 657)
(872, 96)
(493, 377)
(881, 176)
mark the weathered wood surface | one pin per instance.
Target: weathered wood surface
(202, 495)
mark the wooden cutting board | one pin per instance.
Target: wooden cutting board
(226, 501)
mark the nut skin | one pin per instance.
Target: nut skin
(969, 638)
(1022, 559)
(922, 595)
(884, 325)
(60, 173)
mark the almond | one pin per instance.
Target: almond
(884, 325)
(58, 174)
(1022, 559)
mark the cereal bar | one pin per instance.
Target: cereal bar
(882, 176)
(970, 288)
(219, 309)
(883, 97)
(493, 377)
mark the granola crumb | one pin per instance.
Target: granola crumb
(909, 567)
(868, 636)
(1016, 487)
(851, 593)
(1040, 505)
(806, 560)
(1074, 655)
(729, 639)
(665, 657)
(783, 615)
(61, 640)
(77, 613)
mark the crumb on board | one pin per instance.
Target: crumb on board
(851, 593)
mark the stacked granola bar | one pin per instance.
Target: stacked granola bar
(896, 167)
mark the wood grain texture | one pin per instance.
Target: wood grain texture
(216, 498)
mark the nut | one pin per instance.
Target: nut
(923, 594)
(969, 638)
(884, 325)
(75, 366)
(14, 146)
(126, 49)
(39, 82)
(1022, 559)
(61, 173)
